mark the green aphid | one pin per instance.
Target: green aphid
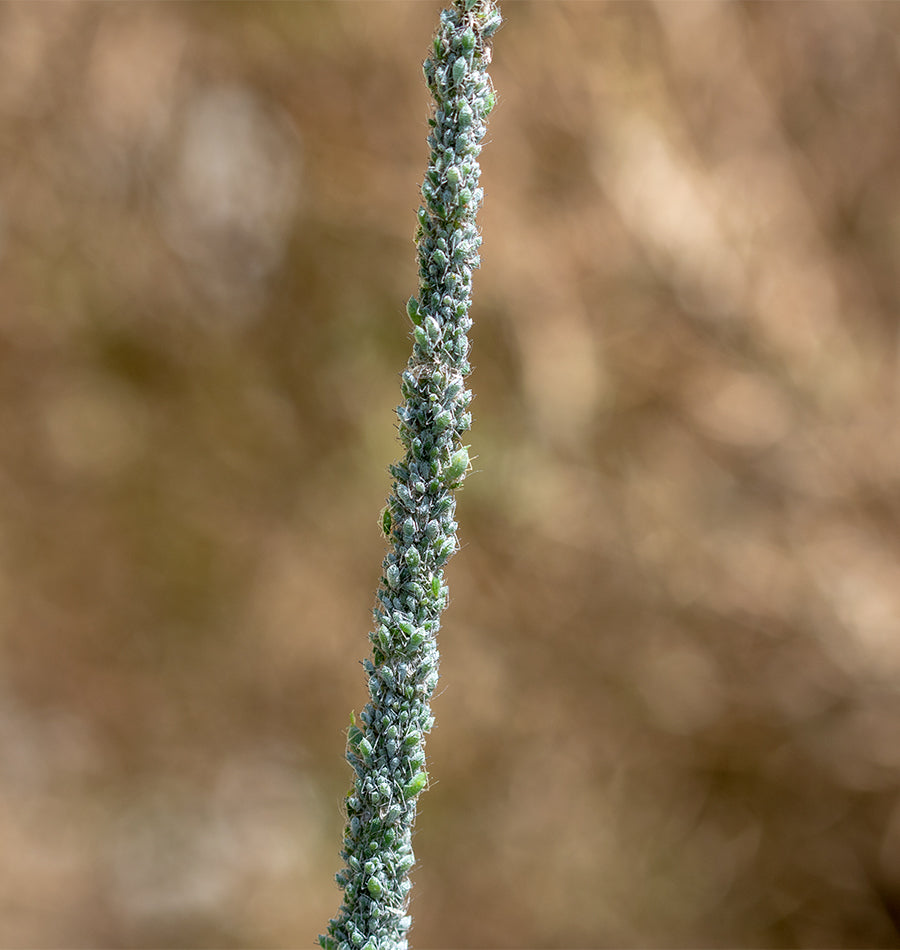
(354, 736)
(374, 887)
(415, 785)
(413, 311)
(459, 464)
(385, 521)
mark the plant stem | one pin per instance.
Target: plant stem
(387, 748)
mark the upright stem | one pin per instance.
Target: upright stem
(387, 747)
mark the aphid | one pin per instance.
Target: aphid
(491, 23)
(444, 550)
(374, 888)
(416, 640)
(415, 784)
(385, 521)
(392, 576)
(354, 736)
(413, 311)
(459, 463)
(444, 504)
(382, 637)
(443, 420)
(417, 591)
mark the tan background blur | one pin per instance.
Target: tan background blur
(669, 706)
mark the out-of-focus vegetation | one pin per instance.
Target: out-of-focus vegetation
(671, 665)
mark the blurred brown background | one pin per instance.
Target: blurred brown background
(669, 705)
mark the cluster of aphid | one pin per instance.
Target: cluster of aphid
(387, 751)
